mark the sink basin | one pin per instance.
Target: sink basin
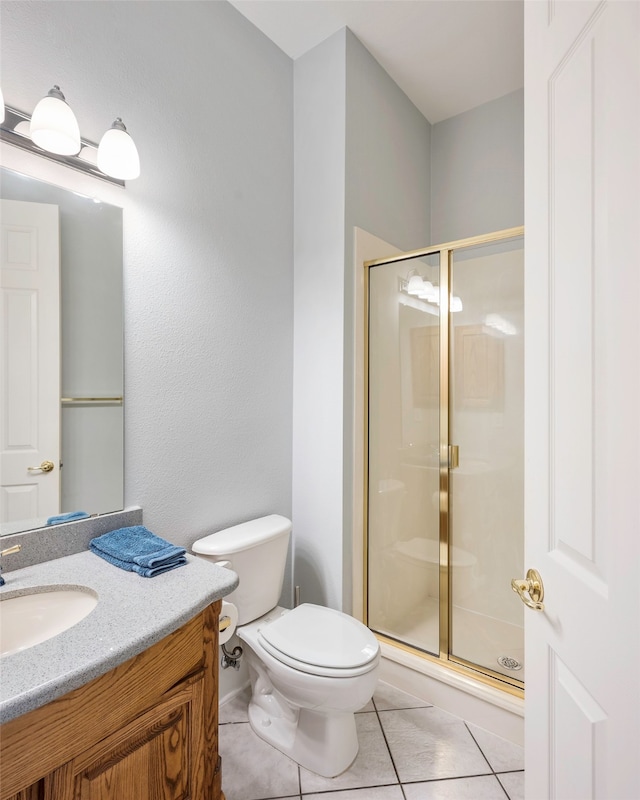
(29, 619)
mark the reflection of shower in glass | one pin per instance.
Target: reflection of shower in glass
(416, 286)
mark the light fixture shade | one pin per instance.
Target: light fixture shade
(429, 292)
(54, 126)
(415, 284)
(455, 304)
(117, 153)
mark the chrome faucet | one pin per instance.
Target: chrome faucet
(8, 551)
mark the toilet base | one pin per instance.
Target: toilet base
(308, 717)
(322, 742)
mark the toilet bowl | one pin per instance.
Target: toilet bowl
(304, 694)
(311, 668)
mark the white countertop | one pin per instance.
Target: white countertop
(132, 614)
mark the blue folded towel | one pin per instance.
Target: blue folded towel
(136, 549)
(69, 517)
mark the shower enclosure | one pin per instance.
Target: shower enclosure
(444, 457)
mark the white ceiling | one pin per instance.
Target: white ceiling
(447, 55)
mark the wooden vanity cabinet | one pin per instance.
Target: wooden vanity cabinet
(147, 730)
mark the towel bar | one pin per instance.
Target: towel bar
(66, 401)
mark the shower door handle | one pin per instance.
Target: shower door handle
(531, 586)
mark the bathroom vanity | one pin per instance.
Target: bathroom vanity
(146, 726)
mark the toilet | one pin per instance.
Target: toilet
(311, 667)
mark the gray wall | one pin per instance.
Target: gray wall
(319, 135)
(361, 159)
(387, 161)
(208, 233)
(477, 170)
(387, 188)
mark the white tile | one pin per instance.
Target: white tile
(387, 697)
(235, 709)
(500, 753)
(483, 788)
(513, 783)
(252, 769)
(372, 766)
(371, 793)
(428, 743)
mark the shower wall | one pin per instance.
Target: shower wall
(487, 423)
(486, 489)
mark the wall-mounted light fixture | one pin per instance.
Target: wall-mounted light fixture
(417, 286)
(52, 131)
(54, 126)
(117, 153)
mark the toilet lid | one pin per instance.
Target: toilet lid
(321, 637)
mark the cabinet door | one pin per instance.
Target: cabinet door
(150, 758)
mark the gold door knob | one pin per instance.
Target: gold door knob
(46, 466)
(531, 586)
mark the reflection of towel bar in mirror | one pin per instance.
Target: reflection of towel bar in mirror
(113, 401)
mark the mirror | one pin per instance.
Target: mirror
(88, 468)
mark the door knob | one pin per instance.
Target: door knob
(46, 466)
(531, 586)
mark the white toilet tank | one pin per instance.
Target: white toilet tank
(257, 550)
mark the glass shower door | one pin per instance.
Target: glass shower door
(403, 437)
(444, 502)
(486, 502)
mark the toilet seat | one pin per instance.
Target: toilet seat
(320, 641)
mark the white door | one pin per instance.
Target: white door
(582, 298)
(30, 368)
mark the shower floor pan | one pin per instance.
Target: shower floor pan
(477, 638)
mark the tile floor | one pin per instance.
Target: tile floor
(409, 750)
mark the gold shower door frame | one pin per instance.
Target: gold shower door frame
(445, 251)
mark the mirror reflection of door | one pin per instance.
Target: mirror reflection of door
(90, 402)
(30, 361)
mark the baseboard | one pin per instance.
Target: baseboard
(228, 697)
